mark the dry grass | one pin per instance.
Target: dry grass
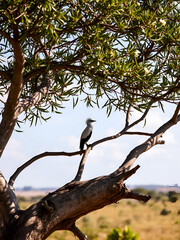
(146, 219)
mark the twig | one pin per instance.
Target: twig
(138, 133)
(2, 101)
(124, 131)
(128, 116)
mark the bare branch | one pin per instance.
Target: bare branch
(152, 141)
(124, 131)
(175, 116)
(77, 232)
(35, 158)
(128, 116)
(138, 196)
(138, 133)
(83, 160)
(81, 165)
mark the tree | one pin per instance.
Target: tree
(119, 54)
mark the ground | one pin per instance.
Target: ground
(157, 219)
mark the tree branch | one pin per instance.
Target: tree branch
(124, 131)
(138, 196)
(72, 201)
(128, 116)
(138, 133)
(35, 158)
(174, 118)
(6, 75)
(77, 232)
(152, 141)
(81, 165)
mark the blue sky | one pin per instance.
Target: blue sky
(160, 165)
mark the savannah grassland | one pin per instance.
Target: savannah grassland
(158, 219)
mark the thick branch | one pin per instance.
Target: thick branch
(63, 207)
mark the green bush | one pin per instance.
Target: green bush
(127, 234)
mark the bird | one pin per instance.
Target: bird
(86, 134)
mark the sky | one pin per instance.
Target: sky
(159, 165)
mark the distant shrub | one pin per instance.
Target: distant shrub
(178, 212)
(127, 222)
(172, 196)
(88, 229)
(103, 223)
(127, 234)
(164, 212)
(86, 220)
(21, 199)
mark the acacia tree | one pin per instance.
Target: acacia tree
(119, 54)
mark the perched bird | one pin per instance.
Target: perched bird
(86, 134)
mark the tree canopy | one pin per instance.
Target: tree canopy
(127, 51)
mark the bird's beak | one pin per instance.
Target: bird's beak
(93, 120)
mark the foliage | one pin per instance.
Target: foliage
(113, 53)
(127, 234)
